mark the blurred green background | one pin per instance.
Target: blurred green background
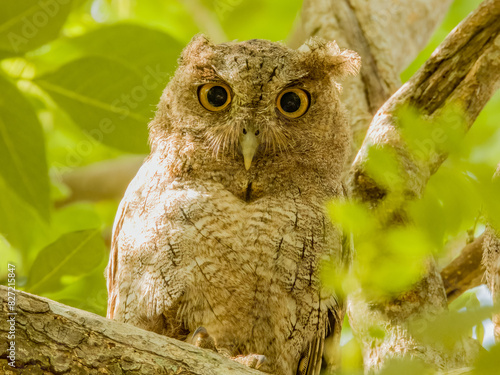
(79, 82)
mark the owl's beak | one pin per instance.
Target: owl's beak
(249, 143)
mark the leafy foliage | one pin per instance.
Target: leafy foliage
(80, 81)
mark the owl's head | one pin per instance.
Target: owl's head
(256, 103)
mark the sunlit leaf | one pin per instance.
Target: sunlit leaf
(133, 45)
(427, 139)
(352, 357)
(448, 328)
(22, 149)
(377, 332)
(382, 165)
(25, 25)
(87, 292)
(75, 217)
(73, 254)
(354, 217)
(20, 223)
(480, 333)
(171, 16)
(109, 101)
(245, 19)
(488, 362)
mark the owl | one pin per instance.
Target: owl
(221, 238)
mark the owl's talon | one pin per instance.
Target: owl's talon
(202, 339)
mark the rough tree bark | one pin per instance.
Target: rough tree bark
(491, 261)
(52, 338)
(465, 71)
(387, 34)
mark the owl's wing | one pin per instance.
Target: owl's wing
(317, 357)
(112, 267)
(314, 359)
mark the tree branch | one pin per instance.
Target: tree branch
(100, 181)
(465, 271)
(387, 34)
(464, 70)
(52, 338)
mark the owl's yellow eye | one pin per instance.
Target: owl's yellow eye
(293, 102)
(214, 96)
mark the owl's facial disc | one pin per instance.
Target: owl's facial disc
(249, 143)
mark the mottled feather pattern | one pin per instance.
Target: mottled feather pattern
(201, 241)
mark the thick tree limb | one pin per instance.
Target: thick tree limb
(388, 34)
(464, 70)
(465, 271)
(51, 338)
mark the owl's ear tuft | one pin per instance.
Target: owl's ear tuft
(197, 48)
(337, 62)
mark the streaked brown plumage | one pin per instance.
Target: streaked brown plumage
(207, 237)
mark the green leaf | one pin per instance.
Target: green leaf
(352, 357)
(75, 217)
(133, 45)
(480, 333)
(87, 292)
(26, 25)
(407, 366)
(22, 149)
(488, 362)
(73, 254)
(449, 327)
(20, 223)
(111, 102)
(249, 19)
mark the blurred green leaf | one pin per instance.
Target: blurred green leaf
(87, 292)
(26, 25)
(75, 217)
(170, 16)
(382, 165)
(250, 19)
(427, 138)
(20, 223)
(450, 327)
(22, 149)
(406, 366)
(133, 45)
(354, 217)
(480, 333)
(488, 362)
(376, 332)
(391, 261)
(73, 254)
(109, 101)
(352, 357)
